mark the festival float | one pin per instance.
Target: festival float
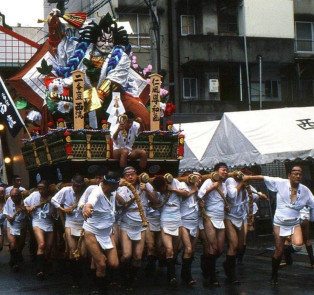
(75, 89)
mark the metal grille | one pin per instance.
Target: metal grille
(14, 51)
(98, 150)
(161, 150)
(79, 150)
(57, 151)
(42, 155)
(29, 159)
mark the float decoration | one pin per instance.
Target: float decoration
(75, 91)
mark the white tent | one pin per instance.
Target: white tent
(197, 137)
(262, 137)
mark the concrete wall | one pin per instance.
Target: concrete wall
(230, 49)
(303, 6)
(35, 34)
(210, 19)
(268, 18)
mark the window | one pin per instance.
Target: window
(189, 88)
(140, 24)
(187, 25)
(307, 90)
(304, 36)
(227, 11)
(271, 90)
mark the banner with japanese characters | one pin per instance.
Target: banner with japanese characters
(155, 84)
(8, 112)
(78, 100)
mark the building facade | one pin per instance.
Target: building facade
(242, 55)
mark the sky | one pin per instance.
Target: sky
(25, 12)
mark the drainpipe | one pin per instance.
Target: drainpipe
(240, 81)
(259, 59)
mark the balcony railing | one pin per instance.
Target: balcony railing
(228, 29)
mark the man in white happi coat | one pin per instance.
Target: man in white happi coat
(43, 217)
(98, 172)
(67, 200)
(291, 197)
(123, 136)
(99, 215)
(213, 193)
(190, 226)
(238, 200)
(169, 195)
(16, 183)
(15, 213)
(133, 232)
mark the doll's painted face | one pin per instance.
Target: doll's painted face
(105, 43)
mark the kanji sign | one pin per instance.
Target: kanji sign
(78, 101)
(306, 124)
(155, 84)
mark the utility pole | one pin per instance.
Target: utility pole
(246, 57)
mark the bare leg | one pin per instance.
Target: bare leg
(189, 245)
(121, 154)
(141, 155)
(305, 225)
(232, 239)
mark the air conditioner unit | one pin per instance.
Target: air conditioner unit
(213, 85)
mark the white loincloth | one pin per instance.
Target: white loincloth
(237, 222)
(171, 231)
(219, 224)
(43, 225)
(102, 235)
(134, 232)
(15, 231)
(154, 224)
(171, 227)
(285, 231)
(75, 227)
(191, 225)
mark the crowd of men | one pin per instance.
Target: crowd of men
(113, 221)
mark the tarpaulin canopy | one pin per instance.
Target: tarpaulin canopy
(244, 138)
(197, 137)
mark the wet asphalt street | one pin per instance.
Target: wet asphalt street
(254, 276)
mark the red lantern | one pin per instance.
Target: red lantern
(169, 125)
(37, 131)
(104, 124)
(180, 149)
(68, 145)
(60, 123)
